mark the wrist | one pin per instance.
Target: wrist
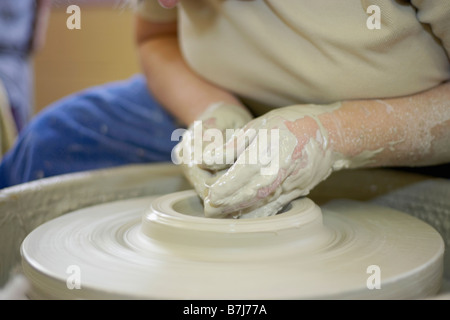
(319, 124)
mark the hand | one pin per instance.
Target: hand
(293, 154)
(206, 133)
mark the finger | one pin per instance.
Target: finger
(252, 188)
(213, 157)
(200, 179)
(264, 207)
(243, 184)
(256, 206)
(271, 207)
(222, 156)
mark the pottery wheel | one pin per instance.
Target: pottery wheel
(164, 248)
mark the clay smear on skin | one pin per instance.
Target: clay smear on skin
(300, 178)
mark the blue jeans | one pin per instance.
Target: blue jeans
(110, 125)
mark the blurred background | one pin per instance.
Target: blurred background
(71, 60)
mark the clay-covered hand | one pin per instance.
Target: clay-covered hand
(206, 133)
(278, 157)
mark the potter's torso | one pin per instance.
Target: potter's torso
(278, 53)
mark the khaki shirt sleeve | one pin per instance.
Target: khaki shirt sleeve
(152, 11)
(436, 13)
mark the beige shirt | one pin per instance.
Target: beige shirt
(283, 52)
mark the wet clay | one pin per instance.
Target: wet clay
(165, 248)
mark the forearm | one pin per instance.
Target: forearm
(173, 83)
(406, 131)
